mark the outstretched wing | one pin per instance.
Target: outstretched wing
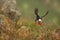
(36, 13)
(45, 14)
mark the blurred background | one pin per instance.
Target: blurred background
(53, 6)
(22, 27)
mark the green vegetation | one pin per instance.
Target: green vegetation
(26, 29)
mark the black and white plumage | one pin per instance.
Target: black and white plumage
(39, 18)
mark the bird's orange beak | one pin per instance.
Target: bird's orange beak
(40, 23)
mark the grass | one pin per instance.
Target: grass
(28, 31)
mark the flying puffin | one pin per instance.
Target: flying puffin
(39, 18)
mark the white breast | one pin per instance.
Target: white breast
(39, 20)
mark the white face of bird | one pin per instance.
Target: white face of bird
(40, 20)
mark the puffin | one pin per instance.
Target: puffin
(39, 18)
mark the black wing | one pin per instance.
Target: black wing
(45, 14)
(36, 13)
